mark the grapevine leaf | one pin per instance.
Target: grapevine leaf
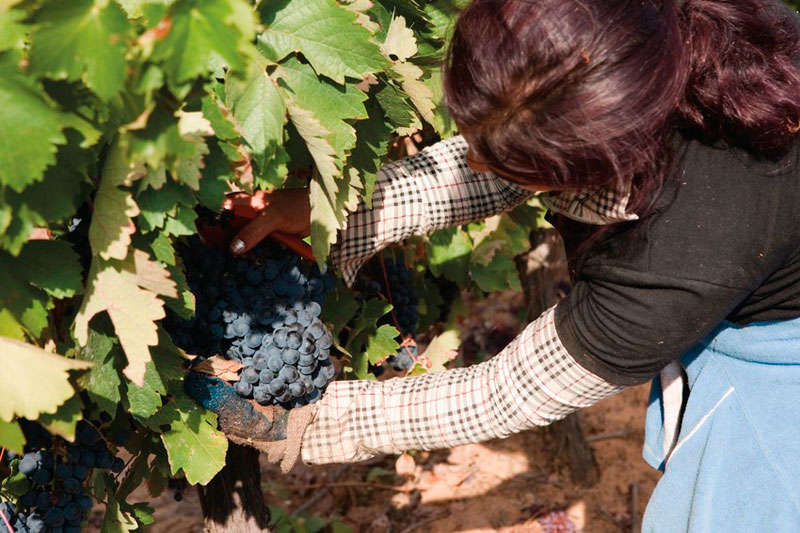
(27, 304)
(144, 514)
(259, 110)
(9, 327)
(117, 288)
(359, 7)
(370, 151)
(102, 383)
(340, 307)
(203, 33)
(193, 443)
(442, 349)
(499, 275)
(325, 219)
(65, 419)
(11, 437)
(400, 41)
(449, 254)
(144, 402)
(156, 206)
(27, 368)
(223, 127)
(151, 275)
(53, 267)
(23, 163)
(332, 104)
(382, 343)
(182, 223)
(116, 520)
(442, 121)
(364, 333)
(12, 32)
(325, 32)
(112, 224)
(16, 485)
(81, 39)
(410, 76)
(399, 113)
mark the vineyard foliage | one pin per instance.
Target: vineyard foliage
(121, 117)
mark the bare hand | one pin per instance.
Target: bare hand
(284, 210)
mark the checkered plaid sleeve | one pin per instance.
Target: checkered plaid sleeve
(532, 382)
(430, 190)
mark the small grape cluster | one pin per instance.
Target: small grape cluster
(398, 285)
(261, 310)
(56, 500)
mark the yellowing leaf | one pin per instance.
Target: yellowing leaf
(221, 368)
(400, 41)
(114, 208)
(33, 381)
(420, 94)
(442, 349)
(153, 276)
(124, 293)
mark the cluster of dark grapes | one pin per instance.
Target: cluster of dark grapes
(261, 310)
(56, 501)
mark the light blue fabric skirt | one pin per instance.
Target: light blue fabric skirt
(735, 466)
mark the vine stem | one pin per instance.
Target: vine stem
(2, 453)
(8, 524)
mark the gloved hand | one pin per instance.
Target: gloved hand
(273, 430)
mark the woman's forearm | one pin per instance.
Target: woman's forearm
(532, 382)
(430, 190)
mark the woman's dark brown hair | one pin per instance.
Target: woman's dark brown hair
(586, 93)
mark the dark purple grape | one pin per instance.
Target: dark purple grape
(64, 470)
(28, 465)
(71, 485)
(54, 517)
(277, 386)
(288, 374)
(243, 388)
(250, 375)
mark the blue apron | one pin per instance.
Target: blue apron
(735, 462)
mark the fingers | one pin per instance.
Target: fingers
(253, 233)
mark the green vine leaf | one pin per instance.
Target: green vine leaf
(27, 305)
(327, 34)
(333, 105)
(52, 266)
(11, 437)
(259, 110)
(27, 368)
(103, 381)
(23, 163)
(202, 33)
(81, 39)
(194, 445)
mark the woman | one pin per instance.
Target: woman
(663, 136)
